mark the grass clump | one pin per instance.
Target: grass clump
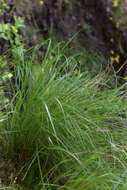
(64, 130)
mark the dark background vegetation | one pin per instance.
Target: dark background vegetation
(90, 23)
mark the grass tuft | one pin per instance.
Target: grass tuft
(65, 130)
